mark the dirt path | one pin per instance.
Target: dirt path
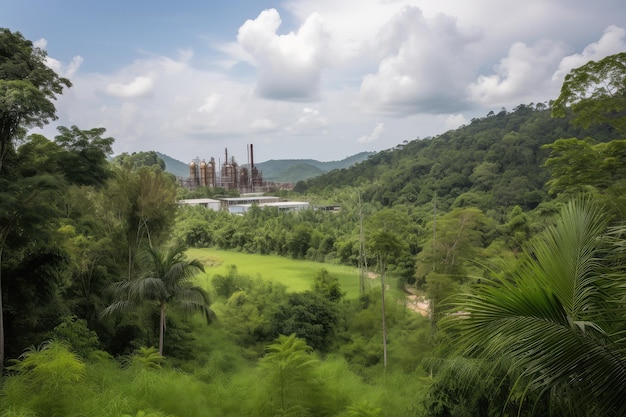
(417, 303)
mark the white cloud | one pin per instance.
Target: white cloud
(523, 76)
(263, 125)
(308, 122)
(138, 87)
(422, 66)
(67, 71)
(41, 43)
(374, 135)
(288, 66)
(426, 67)
(211, 103)
(452, 121)
(612, 41)
(57, 66)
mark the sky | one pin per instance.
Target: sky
(305, 79)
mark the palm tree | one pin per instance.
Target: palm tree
(167, 280)
(557, 320)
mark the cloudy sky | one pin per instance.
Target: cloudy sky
(321, 79)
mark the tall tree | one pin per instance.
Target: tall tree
(596, 93)
(140, 207)
(557, 320)
(167, 280)
(27, 88)
(85, 160)
(29, 191)
(383, 245)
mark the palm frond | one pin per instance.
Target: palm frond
(550, 317)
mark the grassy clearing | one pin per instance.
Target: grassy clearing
(296, 275)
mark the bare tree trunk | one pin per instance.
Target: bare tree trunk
(362, 260)
(382, 283)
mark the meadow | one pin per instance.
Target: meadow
(297, 275)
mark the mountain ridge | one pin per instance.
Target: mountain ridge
(279, 170)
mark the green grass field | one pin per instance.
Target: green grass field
(296, 275)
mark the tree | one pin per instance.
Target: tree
(382, 245)
(27, 88)
(85, 160)
(585, 166)
(308, 315)
(328, 286)
(289, 366)
(29, 191)
(140, 159)
(596, 93)
(166, 281)
(556, 321)
(140, 205)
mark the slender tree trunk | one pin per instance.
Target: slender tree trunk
(161, 327)
(382, 283)
(1, 316)
(362, 256)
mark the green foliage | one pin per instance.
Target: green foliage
(146, 357)
(166, 281)
(289, 366)
(227, 285)
(75, 333)
(363, 410)
(309, 316)
(140, 159)
(138, 207)
(439, 212)
(49, 375)
(596, 93)
(553, 320)
(497, 159)
(328, 286)
(578, 165)
(27, 88)
(142, 413)
(84, 160)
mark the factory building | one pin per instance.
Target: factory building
(241, 205)
(230, 175)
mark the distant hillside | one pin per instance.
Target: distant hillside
(492, 163)
(174, 166)
(281, 170)
(294, 170)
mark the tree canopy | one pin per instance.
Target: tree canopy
(27, 89)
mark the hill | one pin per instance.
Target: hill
(294, 170)
(174, 166)
(493, 163)
(281, 170)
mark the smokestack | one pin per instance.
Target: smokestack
(251, 157)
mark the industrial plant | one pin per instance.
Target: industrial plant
(228, 175)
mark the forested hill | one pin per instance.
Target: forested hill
(293, 170)
(494, 162)
(282, 170)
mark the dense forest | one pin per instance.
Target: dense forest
(511, 229)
